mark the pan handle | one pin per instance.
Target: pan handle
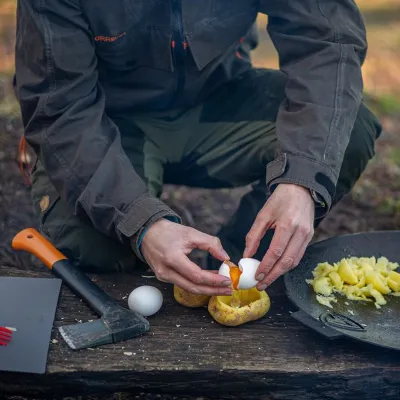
(33, 242)
(316, 325)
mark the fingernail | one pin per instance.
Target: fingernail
(245, 251)
(226, 255)
(226, 283)
(262, 287)
(260, 277)
(228, 292)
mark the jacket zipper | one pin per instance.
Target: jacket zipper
(178, 46)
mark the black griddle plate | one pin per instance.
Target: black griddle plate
(357, 320)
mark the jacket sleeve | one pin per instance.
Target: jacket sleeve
(63, 111)
(321, 46)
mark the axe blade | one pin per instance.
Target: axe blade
(117, 326)
(87, 334)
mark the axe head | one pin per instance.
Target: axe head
(114, 326)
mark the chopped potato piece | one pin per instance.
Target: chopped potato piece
(357, 278)
(323, 270)
(323, 286)
(394, 276)
(382, 261)
(336, 281)
(361, 283)
(364, 267)
(326, 301)
(376, 281)
(395, 286)
(346, 273)
(392, 266)
(380, 300)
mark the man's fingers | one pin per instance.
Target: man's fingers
(307, 234)
(193, 273)
(290, 258)
(256, 233)
(301, 253)
(209, 243)
(277, 248)
(181, 281)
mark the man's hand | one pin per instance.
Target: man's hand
(290, 212)
(165, 248)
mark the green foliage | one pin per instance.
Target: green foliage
(390, 104)
(394, 156)
(9, 107)
(389, 205)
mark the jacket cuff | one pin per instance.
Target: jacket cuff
(138, 238)
(307, 173)
(143, 213)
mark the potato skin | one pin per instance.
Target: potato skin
(229, 316)
(188, 299)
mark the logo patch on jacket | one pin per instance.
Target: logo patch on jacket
(109, 39)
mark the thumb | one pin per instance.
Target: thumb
(211, 244)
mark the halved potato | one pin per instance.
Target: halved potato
(188, 299)
(253, 305)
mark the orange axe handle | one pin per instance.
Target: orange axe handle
(33, 242)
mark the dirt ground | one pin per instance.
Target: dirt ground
(374, 203)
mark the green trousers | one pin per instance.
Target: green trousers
(225, 142)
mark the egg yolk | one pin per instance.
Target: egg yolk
(234, 273)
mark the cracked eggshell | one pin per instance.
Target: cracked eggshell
(224, 270)
(248, 266)
(247, 279)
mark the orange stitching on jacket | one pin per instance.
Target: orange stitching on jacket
(109, 39)
(23, 159)
(185, 44)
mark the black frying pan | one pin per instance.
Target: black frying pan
(368, 324)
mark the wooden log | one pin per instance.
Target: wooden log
(187, 353)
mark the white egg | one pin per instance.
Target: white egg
(249, 267)
(145, 300)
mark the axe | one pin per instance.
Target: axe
(116, 323)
